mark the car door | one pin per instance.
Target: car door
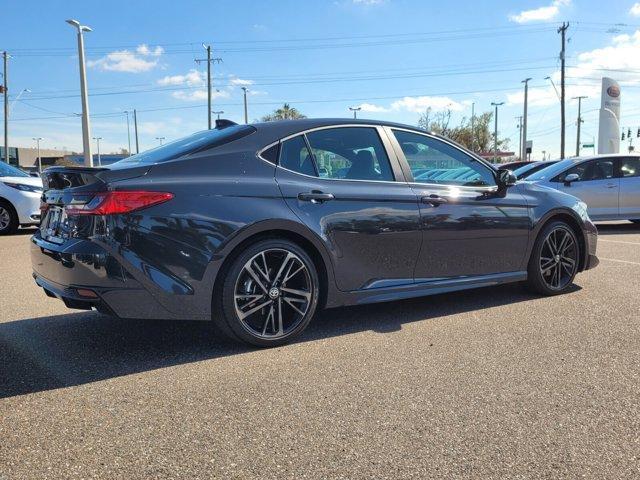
(629, 198)
(369, 222)
(597, 185)
(469, 228)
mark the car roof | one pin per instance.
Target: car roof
(282, 128)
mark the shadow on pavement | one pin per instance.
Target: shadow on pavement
(59, 351)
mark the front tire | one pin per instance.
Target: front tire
(8, 219)
(554, 260)
(269, 294)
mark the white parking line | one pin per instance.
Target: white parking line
(618, 241)
(620, 261)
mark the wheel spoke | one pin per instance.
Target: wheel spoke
(284, 264)
(280, 323)
(290, 303)
(252, 299)
(300, 293)
(244, 315)
(256, 278)
(265, 272)
(291, 275)
(269, 317)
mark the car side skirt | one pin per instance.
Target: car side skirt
(423, 288)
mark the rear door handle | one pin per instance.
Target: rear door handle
(315, 197)
(434, 200)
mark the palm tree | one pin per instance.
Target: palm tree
(286, 112)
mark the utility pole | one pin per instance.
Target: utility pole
(209, 60)
(128, 133)
(86, 127)
(5, 90)
(355, 111)
(495, 132)
(160, 139)
(473, 129)
(246, 115)
(218, 113)
(523, 131)
(135, 130)
(520, 135)
(562, 30)
(37, 139)
(579, 98)
(97, 139)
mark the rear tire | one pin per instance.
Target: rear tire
(269, 295)
(554, 260)
(8, 218)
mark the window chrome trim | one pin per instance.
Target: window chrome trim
(488, 188)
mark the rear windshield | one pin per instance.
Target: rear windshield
(7, 170)
(193, 143)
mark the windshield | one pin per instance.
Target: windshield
(193, 143)
(7, 170)
(529, 169)
(553, 170)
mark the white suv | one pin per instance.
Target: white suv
(19, 199)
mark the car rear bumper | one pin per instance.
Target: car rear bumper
(85, 276)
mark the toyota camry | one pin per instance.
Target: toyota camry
(256, 227)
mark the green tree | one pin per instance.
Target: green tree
(286, 112)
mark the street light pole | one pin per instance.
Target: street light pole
(246, 115)
(523, 144)
(355, 110)
(473, 126)
(218, 113)
(135, 129)
(86, 127)
(5, 89)
(520, 136)
(495, 131)
(37, 139)
(160, 139)
(579, 98)
(128, 133)
(97, 139)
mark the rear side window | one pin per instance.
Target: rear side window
(197, 142)
(294, 155)
(630, 167)
(350, 153)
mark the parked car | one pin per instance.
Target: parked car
(608, 184)
(532, 167)
(19, 199)
(513, 165)
(236, 225)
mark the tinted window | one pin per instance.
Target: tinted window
(295, 156)
(592, 170)
(7, 170)
(531, 168)
(351, 153)
(271, 154)
(434, 161)
(630, 167)
(193, 143)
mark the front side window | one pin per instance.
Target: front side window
(350, 153)
(601, 169)
(434, 161)
(630, 167)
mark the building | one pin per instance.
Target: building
(27, 158)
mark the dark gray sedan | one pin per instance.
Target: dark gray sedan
(257, 226)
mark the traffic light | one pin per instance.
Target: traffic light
(638, 135)
(622, 135)
(628, 133)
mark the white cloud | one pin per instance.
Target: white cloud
(240, 82)
(142, 59)
(368, 2)
(420, 104)
(634, 11)
(540, 14)
(193, 78)
(369, 107)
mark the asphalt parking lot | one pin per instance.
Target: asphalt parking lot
(492, 383)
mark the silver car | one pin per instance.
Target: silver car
(608, 184)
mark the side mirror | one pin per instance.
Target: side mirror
(572, 177)
(506, 178)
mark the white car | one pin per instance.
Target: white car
(19, 199)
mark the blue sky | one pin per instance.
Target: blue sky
(395, 58)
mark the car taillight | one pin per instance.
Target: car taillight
(118, 202)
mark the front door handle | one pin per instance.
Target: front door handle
(315, 197)
(611, 185)
(434, 200)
